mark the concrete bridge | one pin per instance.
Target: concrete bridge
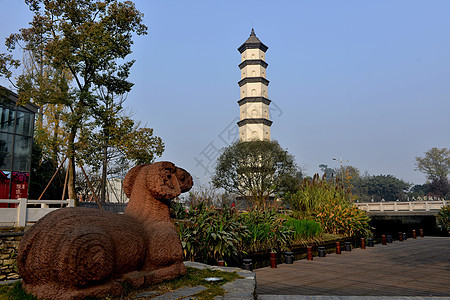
(392, 217)
(412, 208)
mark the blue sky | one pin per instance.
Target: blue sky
(365, 80)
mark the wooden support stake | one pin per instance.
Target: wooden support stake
(65, 183)
(48, 184)
(91, 187)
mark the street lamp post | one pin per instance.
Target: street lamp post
(342, 169)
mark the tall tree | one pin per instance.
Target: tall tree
(255, 170)
(348, 175)
(440, 188)
(48, 88)
(114, 142)
(7, 62)
(435, 164)
(89, 38)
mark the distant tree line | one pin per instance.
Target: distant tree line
(435, 164)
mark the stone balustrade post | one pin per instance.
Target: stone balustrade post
(22, 212)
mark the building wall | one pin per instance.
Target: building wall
(254, 131)
(254, 89)
(253, 71)
(253, 84)
(254, 110)
(252, 54)
(114, 190)
(16, 140)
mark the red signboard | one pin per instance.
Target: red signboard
(19, 186)
(4, 184)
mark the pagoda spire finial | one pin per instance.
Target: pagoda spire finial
(253, 32)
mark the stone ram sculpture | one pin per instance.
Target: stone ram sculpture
(73, 253)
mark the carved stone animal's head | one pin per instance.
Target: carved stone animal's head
(163, 180)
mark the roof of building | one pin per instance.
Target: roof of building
(13, 97)
(252, 43)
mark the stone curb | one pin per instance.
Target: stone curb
(181, 293)
(5, 282)
(296, 297)
(240, 289)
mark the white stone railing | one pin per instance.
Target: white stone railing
(23, 215)
(402, 206)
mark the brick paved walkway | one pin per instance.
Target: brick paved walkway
(415, 267)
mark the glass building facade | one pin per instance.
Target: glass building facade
(16, 140)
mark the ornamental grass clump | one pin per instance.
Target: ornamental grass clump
(303, 229)
(343, 220)
(331, 204)
(318, 192)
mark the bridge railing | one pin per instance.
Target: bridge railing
(21, 215)
(402, 206)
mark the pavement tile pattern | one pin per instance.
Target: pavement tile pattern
(414, 268)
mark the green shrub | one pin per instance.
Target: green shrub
(266, 230)
(210, 234)
(443, 218)
(177, 210)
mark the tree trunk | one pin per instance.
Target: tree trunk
(40, 118)
(71, 155)
(55, 142)
(104, 172)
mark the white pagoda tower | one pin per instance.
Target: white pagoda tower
(254, 104)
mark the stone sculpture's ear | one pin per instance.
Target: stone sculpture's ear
(162, 181)
(130, 178)
(184, 179)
